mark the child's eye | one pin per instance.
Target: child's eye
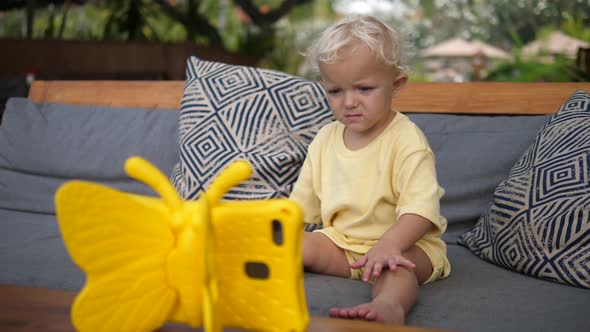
(365, 89)
(334, 91)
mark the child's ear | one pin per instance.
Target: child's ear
(399, 83)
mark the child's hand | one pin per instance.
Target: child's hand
(379, 257)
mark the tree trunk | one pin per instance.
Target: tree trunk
(64, 18)
(30, 18)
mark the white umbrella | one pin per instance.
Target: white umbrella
(458, 47)
(556, 43)
(490, 51)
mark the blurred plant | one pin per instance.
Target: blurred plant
(158, 20)
(521, 70)
(491, 21)
(576, 27)
(543, 67)
(50, 31)
(197, 25)
(59, 22)
(293, 34)
(279, 30)
(127, 21)
(11, 24)
(239, 25)
(559, 69)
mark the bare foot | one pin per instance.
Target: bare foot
(378, 311)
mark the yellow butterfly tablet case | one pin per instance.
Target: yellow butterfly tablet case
(207, 263)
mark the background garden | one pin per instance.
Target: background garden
(499, 40)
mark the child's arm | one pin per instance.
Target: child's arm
(388, 252)
(304, 194)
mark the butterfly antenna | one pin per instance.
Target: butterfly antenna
(235, 173)
(141, 170)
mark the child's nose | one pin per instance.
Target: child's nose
(349, 100)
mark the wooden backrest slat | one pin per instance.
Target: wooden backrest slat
(461, 98)
(148, 94)
(485, 98)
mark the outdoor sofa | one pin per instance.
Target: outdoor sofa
(478, 131)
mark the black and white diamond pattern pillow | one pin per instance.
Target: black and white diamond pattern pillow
(539, 220)
(231, 112)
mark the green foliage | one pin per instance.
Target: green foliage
(166, 29)
(11, 24)
(225, 18)
(504, 23)
(545, 67)
(83, 22)
(418, 72)
(559, 70)
(576, 27)
(140, 20)
(493, 21)
(281, 56)
(293, 34)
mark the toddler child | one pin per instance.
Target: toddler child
(369, 178)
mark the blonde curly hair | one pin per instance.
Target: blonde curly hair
(382, 40)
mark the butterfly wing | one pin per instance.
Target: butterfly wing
(121, 241)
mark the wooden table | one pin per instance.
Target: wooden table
(38, 309)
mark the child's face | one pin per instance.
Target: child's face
(359, 89)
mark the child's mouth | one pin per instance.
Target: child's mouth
(352, 116)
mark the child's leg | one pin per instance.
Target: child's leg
(321, 255)
(394, 292)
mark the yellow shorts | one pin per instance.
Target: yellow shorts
(441, 267)
(352, 257)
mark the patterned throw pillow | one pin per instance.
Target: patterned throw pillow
(539, 220)
(233, 112)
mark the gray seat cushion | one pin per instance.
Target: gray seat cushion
(32, 252)
(478, 296)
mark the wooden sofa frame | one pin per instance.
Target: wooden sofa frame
(459, 98)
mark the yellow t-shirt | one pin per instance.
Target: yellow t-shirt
(358, 195)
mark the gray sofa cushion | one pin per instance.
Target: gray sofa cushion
(474, 153)
(478, 296)
(32, 252)
(484, 297)
(42, 145)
